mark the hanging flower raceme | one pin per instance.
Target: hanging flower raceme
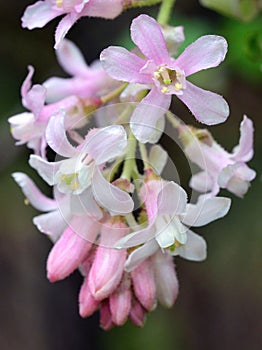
(42, 12)
(166, 76)
(220, 169)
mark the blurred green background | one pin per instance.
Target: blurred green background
(220, 300)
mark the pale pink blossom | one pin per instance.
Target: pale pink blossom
(221, 169)
(42, 12)
(169, 219)
(166, 76)
(87, 82)
(29, 127)
(81, 173)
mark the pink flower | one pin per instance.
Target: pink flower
(222, 169)
(80, 175)
(40, 13)
(29, 127)
(166, 76)
(169, 221)
(87, 82)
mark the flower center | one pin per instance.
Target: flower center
(171, 81)
(67, 5)
(71, 180)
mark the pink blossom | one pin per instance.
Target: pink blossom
(166, 76)
(29, 127)
(80, 174)
(168, 227)
(222, 169)
(87, 82)
(40, 13)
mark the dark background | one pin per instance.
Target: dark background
(220, 303)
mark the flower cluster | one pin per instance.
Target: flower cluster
(120, 224)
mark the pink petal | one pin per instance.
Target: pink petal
(27, 84)
(106, 321)
(149, 193)
(71, 59)
(206, 211)
(64, 26)
(103, 8)
(144, 284)
(137, 313)
(116, 201)
(106, 144)
(36, 198)
(172, 199)
(123, 65)
(147, 114)
(84, 204)
(147, 34)
(166, 278)
(206, 52)
(207, 107)
(194, 249)
(39, 14)
(87, 303)
(244, 151)
(56, 136)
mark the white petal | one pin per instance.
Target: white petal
(140, 254)
(56, 136)
(172, 199)
(157, 158)
(44, 168)
(52, 224)
(206, 211)
(201, 182)
(116, 201)
(137, 238)
(84, 204)
(244, 150)
(194, 249)
(32, 193)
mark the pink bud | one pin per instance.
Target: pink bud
(166, 279)
(87, 303)
(105, 316)
(120, 302)
(144, 284)
(108, 266)
(137, 314)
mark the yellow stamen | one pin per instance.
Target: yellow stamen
(59, 3)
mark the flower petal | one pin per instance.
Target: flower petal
(56, 136)
(44, 168)
(172, 199)
(39, 14)
(244, 151)
(208, 108)
(201, 182)
(147, 114)
(84, 204)
(123, 65)
(157, 158)
(206, 210)
(206, 52)
(136, 238)
(32, 193)
(52, 224)
(106, 144)
(194, 249)
(140, 254)
(64, 26)
(147, 34)
(71, 59)
(116, 201)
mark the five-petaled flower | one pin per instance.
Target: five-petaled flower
(166, 76)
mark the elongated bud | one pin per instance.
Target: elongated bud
(120, 302)
(106, 321)
(144, 284)
(137, 314)
(108, 266)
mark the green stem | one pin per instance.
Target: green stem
(139, 3)
(130, 162)
(165, 11)
(144, 156)
(174, 121)
(113, 94)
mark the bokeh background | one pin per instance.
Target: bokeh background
(220, 300)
